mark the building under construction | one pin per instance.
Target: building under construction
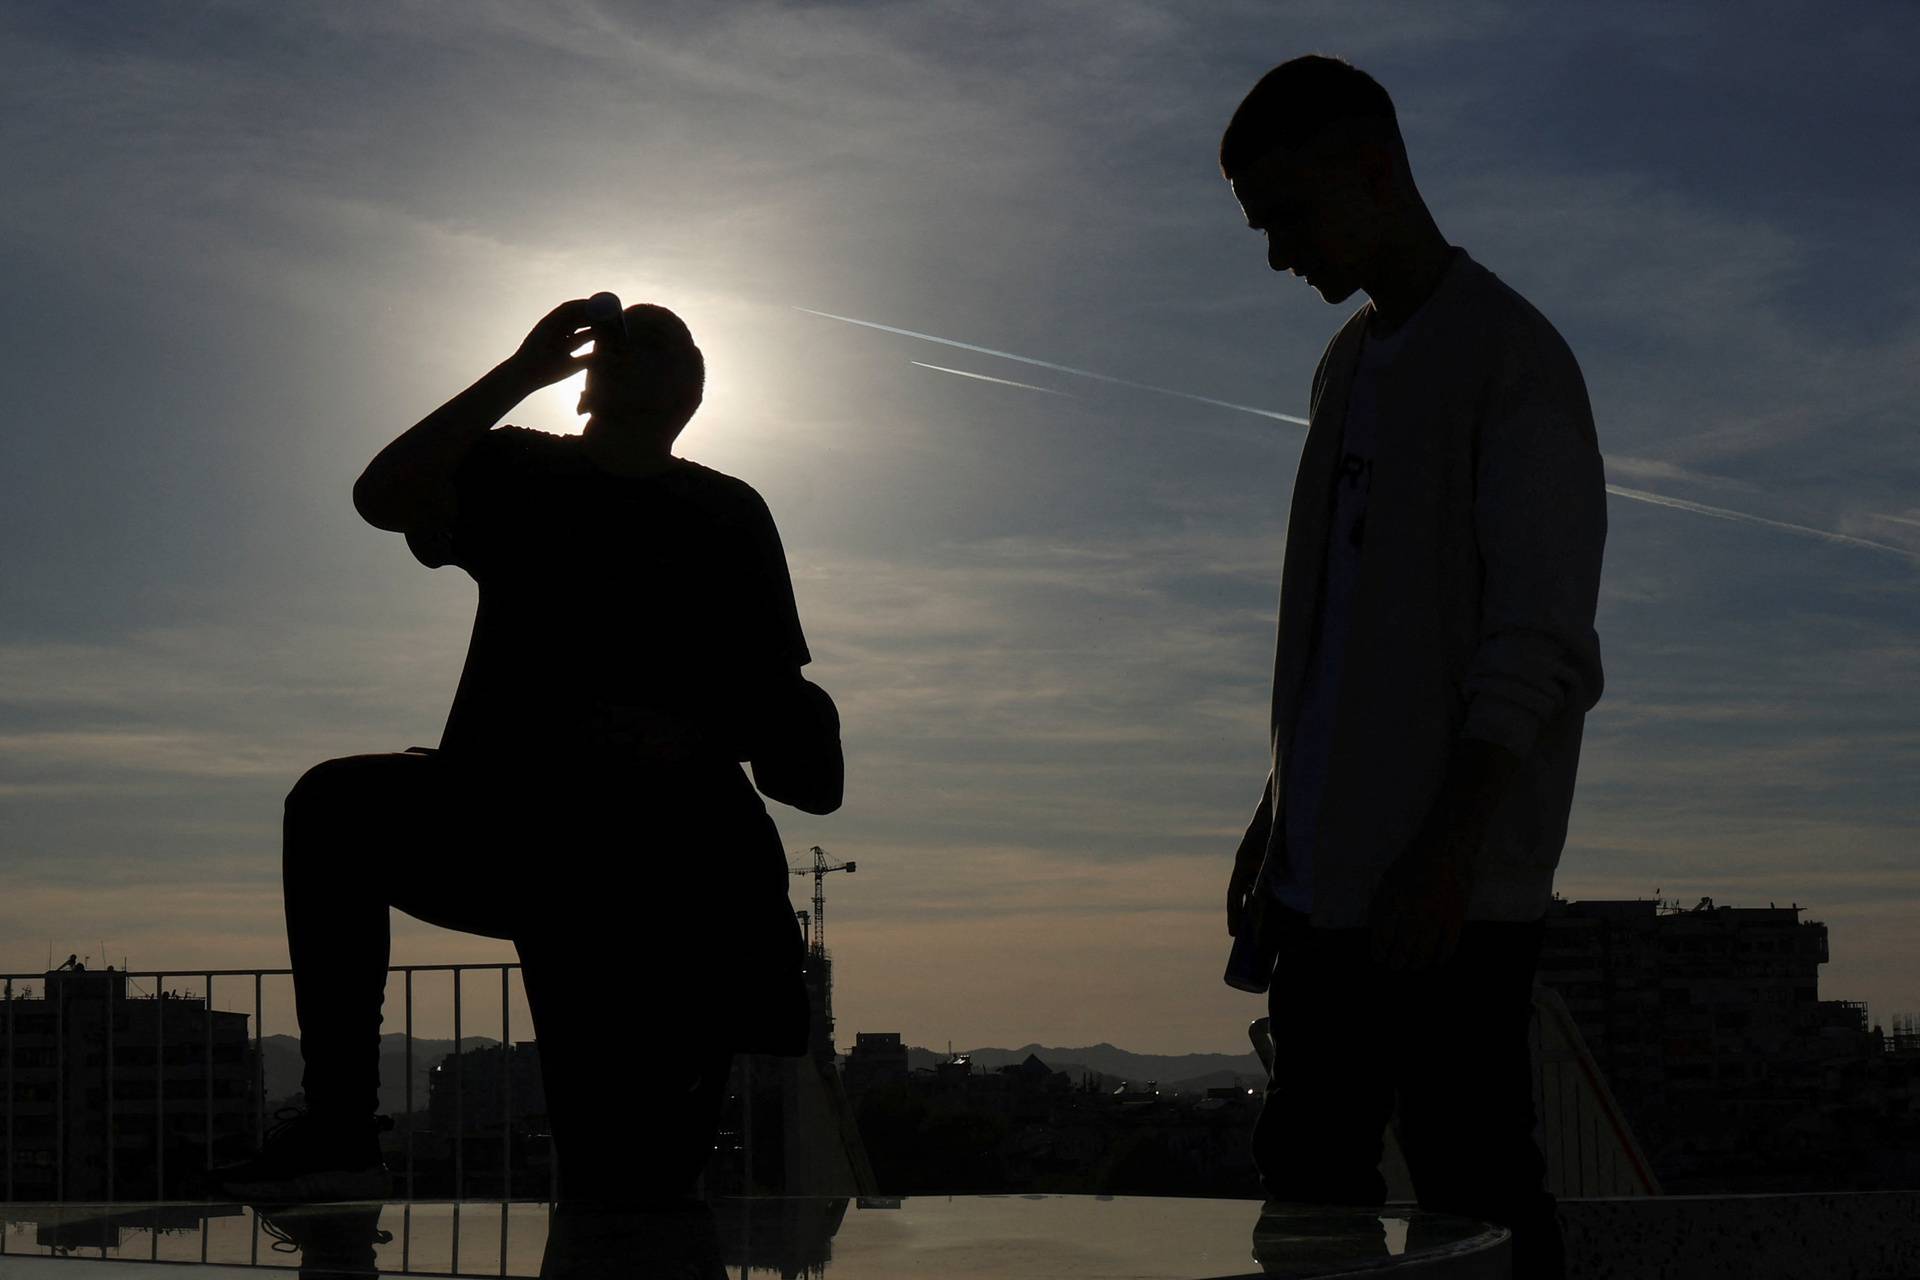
(787, 1127)
(1708, 1024)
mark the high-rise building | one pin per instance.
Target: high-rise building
(107, 1096)
(877, 1058)
(1703, 1018)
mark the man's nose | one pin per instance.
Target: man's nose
(1276, 253)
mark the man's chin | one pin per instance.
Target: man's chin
(1335, 292)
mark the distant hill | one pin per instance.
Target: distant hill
(1255, 1080)
(280, 1057)
(1175, 1073)
(1111, 1066)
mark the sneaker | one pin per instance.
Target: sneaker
(308, 1158)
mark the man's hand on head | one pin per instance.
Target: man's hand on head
(546, 356)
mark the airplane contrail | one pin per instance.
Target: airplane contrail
(1005, 382)
(1722, 513)
(1058, 368)
(1637, 495)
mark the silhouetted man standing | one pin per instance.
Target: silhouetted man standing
(636, 639)
(1436, 659)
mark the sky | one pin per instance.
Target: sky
(247, 245)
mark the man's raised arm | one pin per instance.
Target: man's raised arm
(408, 487)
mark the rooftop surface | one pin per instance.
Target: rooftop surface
(954, 1238)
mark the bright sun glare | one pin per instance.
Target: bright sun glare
(746, 376)
(553, 408)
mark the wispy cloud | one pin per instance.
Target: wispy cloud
(1663, 469)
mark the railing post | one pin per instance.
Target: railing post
(459, 1116)
(746, 1124)
(113, 1077)
(9, 1092)
(60, 1093)
(259, 1067)
(207, 998)
(506, 1117)
(159, 1086)
(409, 1098)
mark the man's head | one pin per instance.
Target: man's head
(657, 384)
(1316, 160)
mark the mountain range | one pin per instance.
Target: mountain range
(1170, 1073)
(280, 1061)
(1109, 1065)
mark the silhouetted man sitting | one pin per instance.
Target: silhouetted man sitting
(636, 639)
(1435, 663)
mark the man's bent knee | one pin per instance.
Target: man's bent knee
(320, 788)
(334, 787)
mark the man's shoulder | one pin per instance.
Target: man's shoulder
(726, 497)
(1515, 327)
(510, 445)
(1521, 356)
(529, 438)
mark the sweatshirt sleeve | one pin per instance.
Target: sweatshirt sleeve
(1259, 833)
(1540, 519)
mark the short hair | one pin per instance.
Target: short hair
(1293, 103)
(656, 327)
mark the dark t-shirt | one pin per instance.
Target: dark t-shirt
(608, 600)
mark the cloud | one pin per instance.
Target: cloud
(1619, 464)
(1049, 620)
(1634, 465)
(977, 687)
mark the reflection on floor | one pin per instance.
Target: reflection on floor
(955, 1238)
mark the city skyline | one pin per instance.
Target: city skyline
(1697, 1035)
(248, 247)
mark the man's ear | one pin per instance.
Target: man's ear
(1377, 169)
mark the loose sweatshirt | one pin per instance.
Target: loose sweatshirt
(1470, 607)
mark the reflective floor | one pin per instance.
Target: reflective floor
(954, 1238)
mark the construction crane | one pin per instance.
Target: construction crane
(817, 943)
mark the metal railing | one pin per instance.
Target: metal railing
(58, 989)
(1589, 1147)
(248, 1236)
(1584, 1137)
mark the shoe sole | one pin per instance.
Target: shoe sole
(316, 1188)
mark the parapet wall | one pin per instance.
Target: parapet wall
(1863, 1235)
